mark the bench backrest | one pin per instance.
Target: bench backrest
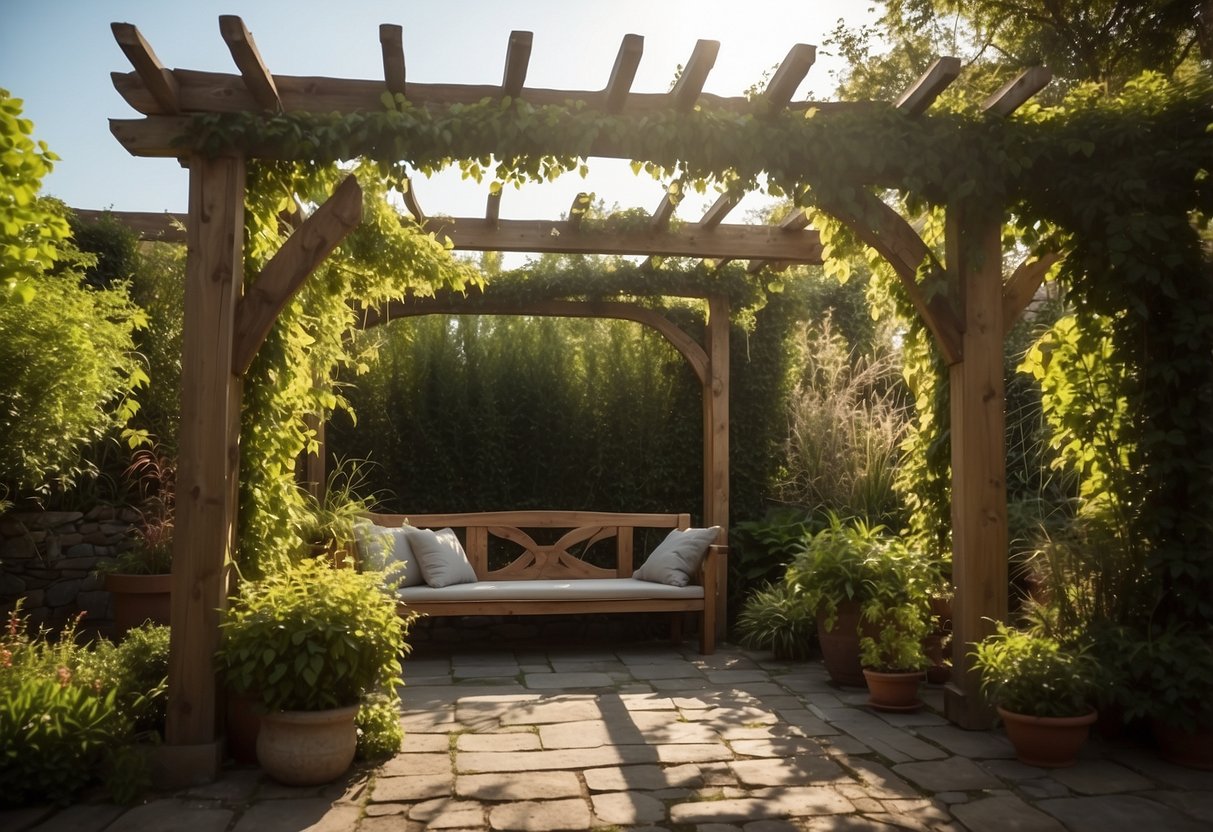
(552, 561)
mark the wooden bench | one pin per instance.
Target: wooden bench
(557, 576)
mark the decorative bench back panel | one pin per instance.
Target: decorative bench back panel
(548, 561)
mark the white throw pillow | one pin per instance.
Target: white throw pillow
(441, 557)
(676, 560)
(378, 547)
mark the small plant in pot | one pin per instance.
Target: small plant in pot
(139, 579)
(1043, 692)
(894, 663)
(310, 643)
(327, 524)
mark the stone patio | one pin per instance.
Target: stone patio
(652, 737)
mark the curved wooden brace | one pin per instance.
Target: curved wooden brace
(886, 231)
(1021, 288)
(691, 351)
(282, 276)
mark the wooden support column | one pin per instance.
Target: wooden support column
(716, 439)
(979, 497)
(208, 468)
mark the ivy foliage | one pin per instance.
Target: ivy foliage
(1118, 183)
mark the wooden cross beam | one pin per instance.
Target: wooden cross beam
(623, 73)
(517, 58)
(1016, 92)
(798, 220)
(391, 42)
(923, 92)
(581, 204)
(160, 82)
(252, 69)
(694, 75)
(791, 72)
(492, 208)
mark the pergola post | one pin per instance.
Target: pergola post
(979, 498)
(208, 472)
(716, 437)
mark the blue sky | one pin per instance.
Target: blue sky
(57, 55)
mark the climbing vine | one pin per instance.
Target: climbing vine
(1118, 184)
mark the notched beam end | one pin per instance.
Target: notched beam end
(391, 41)
(923, 92)
(1016, 92)
(791, 72)
(517, 59)
(690, 84)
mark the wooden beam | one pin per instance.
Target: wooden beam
(492, 208)
(1015, 93)
(257, 78)
(208, 472)
(979, 494)
(391, 42)
(716, 437)
(517, 58)
(689, 85)
(623, 73)
(923, 92)
(685, 344)
(581, 204)
(882, 228)
(1022, 286)
(158, 80)
(149, 225)
(719, 210)
(740, 242)
(798, 220)
(665, 209)
(791, 72)
(285, 272)
(411, 204)
(216, 92)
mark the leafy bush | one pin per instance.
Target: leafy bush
(777, 619)
(1035, 675)
(312, 637)
(66, 715)
(378, 722)
(136, 670)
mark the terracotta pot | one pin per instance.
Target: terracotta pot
(893, 691)
(1047, 741)
(139, 598)
(940, 670)
(307, 748)
(840, 645)
(1186, 748)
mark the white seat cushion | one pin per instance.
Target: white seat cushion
(584, 589)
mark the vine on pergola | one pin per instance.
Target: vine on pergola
(1119, 185)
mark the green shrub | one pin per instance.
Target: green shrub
(312, 637)
(136, 670)
(379, 730)
(777, 619)
(1035, 675)
(62, 722)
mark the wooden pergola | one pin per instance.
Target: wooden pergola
(226, 321)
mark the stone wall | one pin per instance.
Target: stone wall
(49, 557)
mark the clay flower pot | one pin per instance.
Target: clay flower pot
(840, 645)
(307, 748)
(139, 598)
(1047, 741)
(896, 691)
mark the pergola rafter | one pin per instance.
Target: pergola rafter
(962, 299)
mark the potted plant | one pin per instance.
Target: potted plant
(327, 523)
(1169, 681)
(845, 566)
(894, 663)
(309, 643)
(139, 580)
(1043, 692)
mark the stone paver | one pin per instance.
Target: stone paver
(649, 737)
(1101, 777)
(798, 771)
(643, 778)
(627, 808)
(541, 816)
(955, 773)
(1118, 813)
(540, 785)
(1005, 812)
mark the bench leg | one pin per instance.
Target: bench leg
(707, 630)
(676, 628)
